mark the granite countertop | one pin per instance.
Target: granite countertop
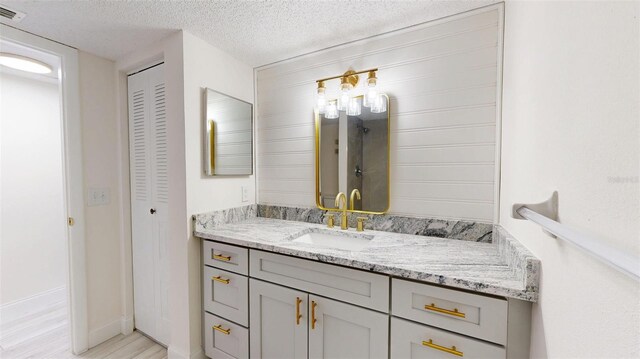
(504, 267)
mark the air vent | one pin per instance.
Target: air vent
(12, 15)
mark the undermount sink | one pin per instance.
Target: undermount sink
(335, 240)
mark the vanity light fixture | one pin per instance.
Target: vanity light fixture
(24, 63)
(354, 108)
(331, 111)
(373, 98)
(379, 105)
(345, 94)
(372, 92)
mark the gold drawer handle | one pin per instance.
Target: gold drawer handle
(298, 315)
(223, 331)
(313, 314)
(221, 280)
(453, 312)
(220, 257)
(451, 350)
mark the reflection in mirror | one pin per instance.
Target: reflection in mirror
(228, 136)
(353, 153)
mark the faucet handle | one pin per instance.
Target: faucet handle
(360, 227)
(331, 220)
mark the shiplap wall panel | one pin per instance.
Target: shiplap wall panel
(442, 79)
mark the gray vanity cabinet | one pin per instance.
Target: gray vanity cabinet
(299, 308)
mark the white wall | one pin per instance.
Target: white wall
(571, 122)
(443, 80)
(33, 220)
(206, 66)
(102, 223)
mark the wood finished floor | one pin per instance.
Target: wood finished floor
(46, 336)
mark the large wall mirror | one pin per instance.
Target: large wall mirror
(352, 152)
(228, 148)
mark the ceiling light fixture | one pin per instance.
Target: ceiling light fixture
(347, 101)
(24, 63)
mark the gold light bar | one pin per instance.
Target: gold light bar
(347, 74)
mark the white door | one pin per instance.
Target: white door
(346, 331)
(278, 321)
(149, 201)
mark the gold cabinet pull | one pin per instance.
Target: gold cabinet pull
(220, 257)
(313, 314)
(221, 280)
(223, 331)
(451, 350)
(453, 312)
(298, 315)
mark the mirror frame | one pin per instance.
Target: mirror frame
(207, 137)
(317, 165)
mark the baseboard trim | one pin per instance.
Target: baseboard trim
(33, 304)
(173, 353)
(105, 332)
(126, 326)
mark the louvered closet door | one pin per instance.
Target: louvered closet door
(149, 201)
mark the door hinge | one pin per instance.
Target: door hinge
(71, 221)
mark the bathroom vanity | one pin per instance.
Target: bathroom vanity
(287, 289)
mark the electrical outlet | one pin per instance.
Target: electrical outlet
(98, 197)
(245, 194)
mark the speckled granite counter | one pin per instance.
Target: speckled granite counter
(503, 267)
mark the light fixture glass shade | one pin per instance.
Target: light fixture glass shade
(372, 90)
(380, 104)
(345, 95)
(321, 100)
(331, 111)
(24, 63)
(354, 108)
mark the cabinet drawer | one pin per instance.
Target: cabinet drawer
(226, 294)
(358, 287)
(227, 257)
(417, 341)
(224, 339)
(470, 314)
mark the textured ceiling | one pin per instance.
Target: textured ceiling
(255, 32)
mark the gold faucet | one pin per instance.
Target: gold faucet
(341, 199)
(354, 194)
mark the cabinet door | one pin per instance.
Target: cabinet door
(278, 321)
(345, 331)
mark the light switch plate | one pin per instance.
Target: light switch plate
(98, 197)
(245, 194)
